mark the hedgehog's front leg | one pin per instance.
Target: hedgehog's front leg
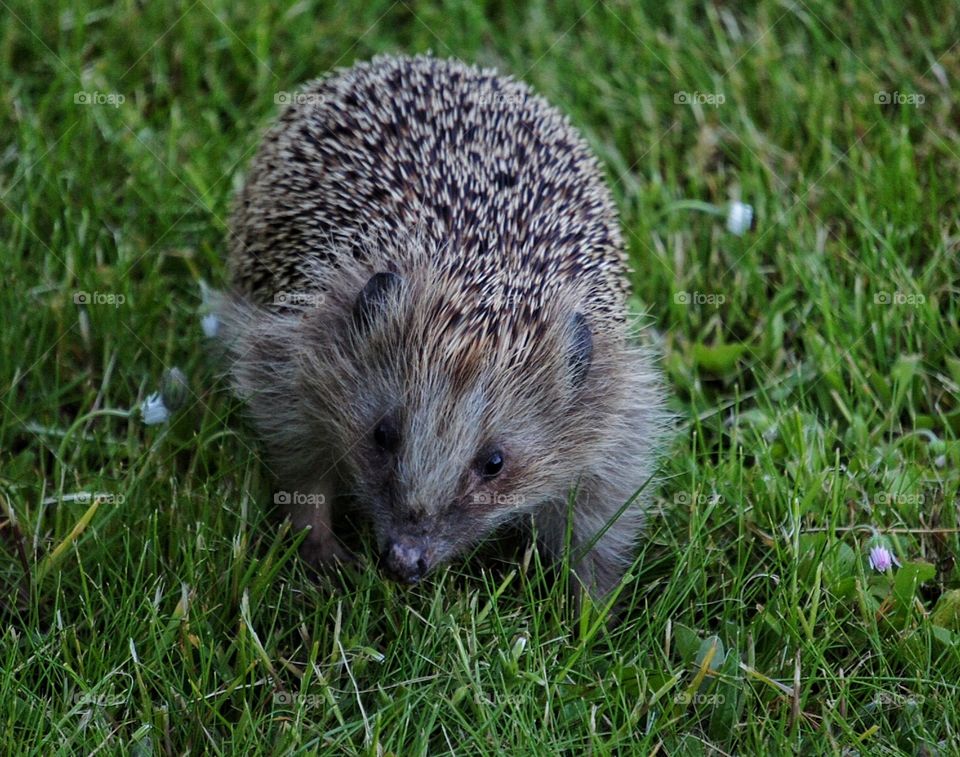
(602, 538)
(601, 567)
(607, 521)
(311, 506)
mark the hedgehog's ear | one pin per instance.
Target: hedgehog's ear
(371, 298)
(581, 348)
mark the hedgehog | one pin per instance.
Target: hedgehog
(427, 320)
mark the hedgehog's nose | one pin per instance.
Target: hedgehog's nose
(404, 560)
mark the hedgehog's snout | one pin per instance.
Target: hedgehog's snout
(405, 559)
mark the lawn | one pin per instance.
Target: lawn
(149, 603)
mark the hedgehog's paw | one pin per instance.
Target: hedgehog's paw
(599, 572)
(309, 507)
(323, 551)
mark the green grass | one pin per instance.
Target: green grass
(173, 615)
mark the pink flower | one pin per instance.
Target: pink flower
(881, 559)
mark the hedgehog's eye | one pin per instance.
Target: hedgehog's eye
(386, 436)
(492, 465)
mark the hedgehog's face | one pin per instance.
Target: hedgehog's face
(443, 451)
